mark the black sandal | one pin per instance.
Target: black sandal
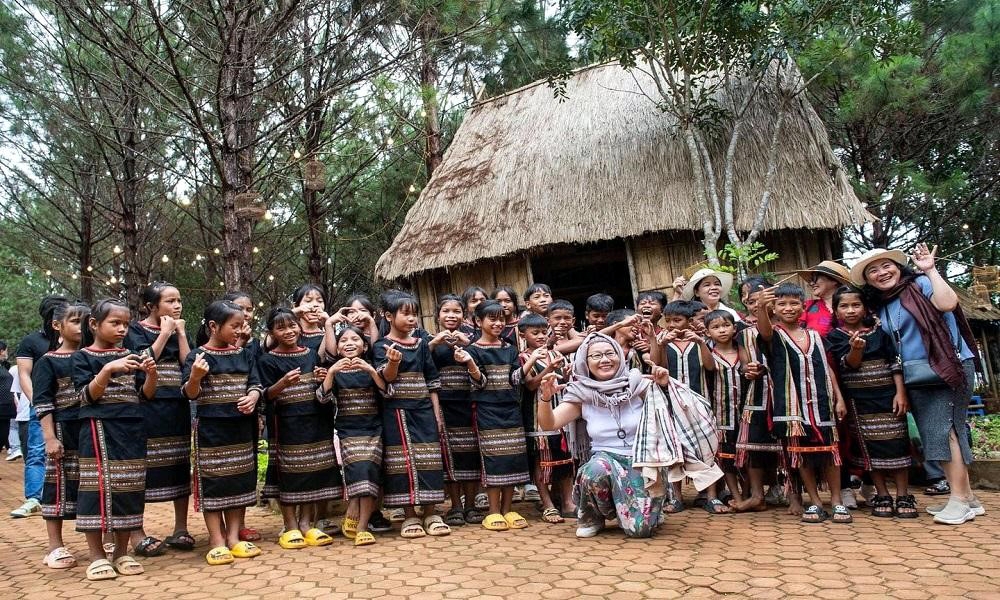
(142, 548)
(841, 515)
(454, 517)
(814, 514)
(882, 507)
(909, 503)
(473, 516)
(182, 540)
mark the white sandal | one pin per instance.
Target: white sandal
(60, 558)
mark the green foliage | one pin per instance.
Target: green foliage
(20, 291)
(985, 436)
(741, 259)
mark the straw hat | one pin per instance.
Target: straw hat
(858, 270)
(828, 268)
(726, 279)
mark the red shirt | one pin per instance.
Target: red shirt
(817, 317)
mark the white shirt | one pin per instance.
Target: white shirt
(23, 404)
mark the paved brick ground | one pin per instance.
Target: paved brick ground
(761, 555)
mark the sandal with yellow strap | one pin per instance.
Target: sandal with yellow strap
(515, 521)
(495, 522)
(126, 565)
(244, 550)
(316, 537)
(292, 540)
(364, 538)
(349, 527)
(219, 555)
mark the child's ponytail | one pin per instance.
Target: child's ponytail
(218, 312)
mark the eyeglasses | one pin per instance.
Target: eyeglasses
(610, 355)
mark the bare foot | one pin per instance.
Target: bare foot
(751, 504)
(795, 507)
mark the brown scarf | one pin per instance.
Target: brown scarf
(938, 343)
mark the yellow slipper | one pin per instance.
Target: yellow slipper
(219, 556)
(316, 537)
(349, 527)
(245, 550)
(495, 522)
(515, 521)
(292, 540)
(364, 538)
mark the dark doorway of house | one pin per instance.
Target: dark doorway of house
(575, 271)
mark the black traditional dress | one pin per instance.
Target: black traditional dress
(803, 403)
(302, 463)
(869, 391)
(112, 493)
(549, 450)
(727, 396)
(54, 394)
(460, 445)
(687, 366)
(497, 413)
(167, 419)
(413, 472)
(359, 428)
(755, 442)
(225, 440)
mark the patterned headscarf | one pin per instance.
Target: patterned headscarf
(622, 388)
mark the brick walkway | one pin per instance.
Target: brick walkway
(761, 555)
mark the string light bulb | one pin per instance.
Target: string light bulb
(260, 304)
(256, 249)
(413, 188)
(296, 155)
(165, 259)
(117, 249)
(113, 279)
(197, 257)
(965, 226)
(389, 142)
(90, 269)
(216, 251)
(74, 276)
(222, 284)
(270, 277)
(185, 201)
(267, 215)
(48, 273)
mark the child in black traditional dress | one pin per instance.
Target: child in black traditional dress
(112, 450)
(507, 298)
(548, 451)
(58, 408)
(689, 360)
(871, 380)
(355, 385)
(411, 419)
(496, 377)
(302, 465)
(162, 335)
(807, 402)
(462, 465)
(727, 395)
(221, 380)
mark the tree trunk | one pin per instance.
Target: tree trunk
(128, 193)
(237, 121)
(311, 199)
(428, 89)
(86, 236)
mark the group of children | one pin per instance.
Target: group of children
(365, 405)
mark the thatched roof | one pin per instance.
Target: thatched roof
(525, 171)
(976, 309)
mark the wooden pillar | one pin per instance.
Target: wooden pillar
(631, 270)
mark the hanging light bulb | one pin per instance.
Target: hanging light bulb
(413, 188)
(388, 142)
(90, 269)
(267, 215)
(260, 304)
(185, 201)
(74, 275)
(216, 251)
(197, 257)
(113, 279)
(165, 259)
(270, 277)
(222, 284)
(256, 249)
(117, 249)
(296, 155)
(48, 273)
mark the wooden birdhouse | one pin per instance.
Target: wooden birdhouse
(314, 175)
(250, 205)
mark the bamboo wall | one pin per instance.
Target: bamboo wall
(657, 258)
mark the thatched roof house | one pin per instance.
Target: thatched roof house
(528, 179)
